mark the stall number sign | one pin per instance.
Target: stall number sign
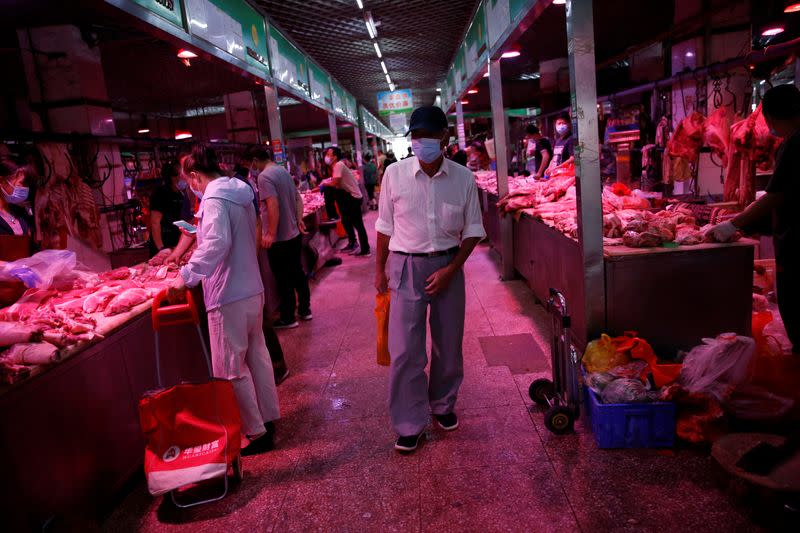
(391, 102)
(277, 151)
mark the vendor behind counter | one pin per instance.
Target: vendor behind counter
(16, 225)
(168, 204)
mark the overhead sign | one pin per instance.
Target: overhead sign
(232, 26)
(320, 85)
(168, 9)
(390, 102)
(498, 17)
(397, 121)
(475, 45)
(289, 65)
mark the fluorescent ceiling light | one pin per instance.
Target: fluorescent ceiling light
(472, 91)
(180, 135)
(388, 79)
(186, 54)
(486, 75)
(464, 102)
(391, 87)
(372, 29)
(530, 76)
(360, 4)
(383, 66)
(559, 2)
(510, 54)
(792, 7)
(438, 90)
(144, 130)
(377, 50)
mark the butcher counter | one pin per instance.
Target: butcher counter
(69, 435)
(673, 297)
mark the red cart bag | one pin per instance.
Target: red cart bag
(192, 430)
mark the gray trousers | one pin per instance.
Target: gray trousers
(412, 397)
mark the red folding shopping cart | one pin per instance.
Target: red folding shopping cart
(192, 430)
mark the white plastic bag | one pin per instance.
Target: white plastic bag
(41, 269)
(717, 364)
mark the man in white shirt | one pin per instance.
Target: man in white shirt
(429, 222)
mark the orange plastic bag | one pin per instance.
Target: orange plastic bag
(382, 300)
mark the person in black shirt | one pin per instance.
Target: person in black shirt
(539, 151)
(564, 147)
(781, 108)
(168, 204)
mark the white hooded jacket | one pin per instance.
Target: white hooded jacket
(225, 259)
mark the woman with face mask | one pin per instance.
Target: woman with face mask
(226, 263)
(564, 147)
(14, 219)
(168, 204)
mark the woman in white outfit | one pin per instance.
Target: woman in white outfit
(225, 261)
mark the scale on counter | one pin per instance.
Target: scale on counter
(622, 137)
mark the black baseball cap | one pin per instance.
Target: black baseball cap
(428, 117)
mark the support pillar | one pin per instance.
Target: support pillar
(240, 114)
(67, 94)
(359, 155)
(583, 92)
(462, 139)
(500, 126)
(275, 127)
(334, 129)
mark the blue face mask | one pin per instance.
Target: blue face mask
(427, 150)
(198, 194)
(182, 185)
(17, 196)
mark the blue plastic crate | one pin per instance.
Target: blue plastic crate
(631, 425)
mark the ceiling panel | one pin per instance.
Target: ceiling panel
(418, 39)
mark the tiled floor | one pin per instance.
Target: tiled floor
(335, 469)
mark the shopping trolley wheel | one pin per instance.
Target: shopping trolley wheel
(560, 419)
(541, 390)
(238, 470)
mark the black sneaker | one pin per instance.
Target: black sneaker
(448, 422)
(262, 444)
(349, 248)
(285, 324)
(407, 444)
(306, 315)
(362, 253)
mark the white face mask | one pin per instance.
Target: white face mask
(18, 195)
(328, 160)
(561, 129)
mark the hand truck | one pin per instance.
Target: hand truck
(561, 395)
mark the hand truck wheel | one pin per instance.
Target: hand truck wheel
(541, 390)
(238, 469)
(560, 420)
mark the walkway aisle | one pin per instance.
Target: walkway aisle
(335, 469)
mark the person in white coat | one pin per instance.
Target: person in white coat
(225, 261)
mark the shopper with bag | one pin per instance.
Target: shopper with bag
(348, 198)
(429, 222)
(225, 261)
(781, 108)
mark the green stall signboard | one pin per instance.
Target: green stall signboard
(230, 25)
(476, 44)
(320, 85)
(289, 65)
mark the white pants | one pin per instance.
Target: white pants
(239, 354)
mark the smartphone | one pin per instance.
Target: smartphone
(185, 226)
